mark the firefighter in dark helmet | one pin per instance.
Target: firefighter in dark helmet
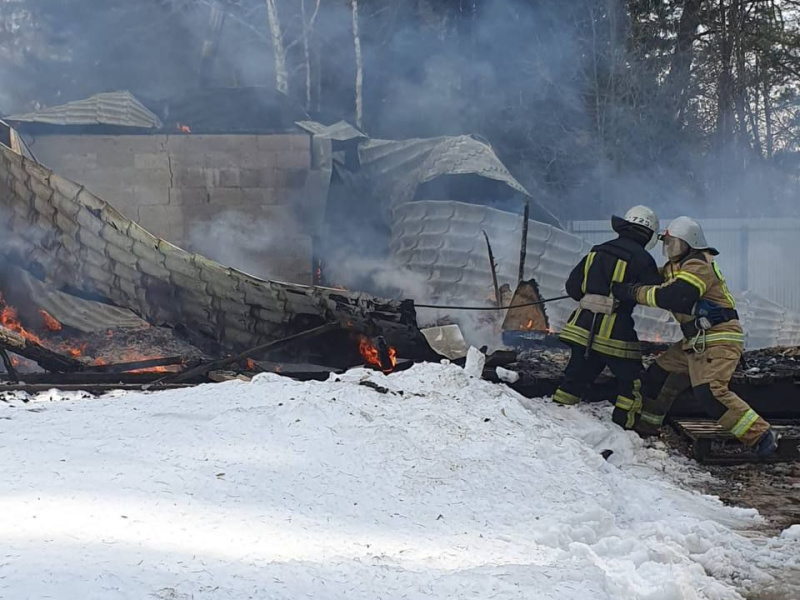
(696, 294)
(601, 331)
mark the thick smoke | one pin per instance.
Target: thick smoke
(241, 241)
(530, 77)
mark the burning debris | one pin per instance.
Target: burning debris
(159, 301)
(378, 354)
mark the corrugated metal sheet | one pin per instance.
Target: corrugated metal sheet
(120, 109)
(339, 132)
(389, 173)
(80, 314)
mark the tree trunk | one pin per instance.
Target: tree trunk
(278, 49)
(308, 32)
(767, 91)
(216, 21)
(359, 67)
(681, 64)
(725, 83)
(741, 97)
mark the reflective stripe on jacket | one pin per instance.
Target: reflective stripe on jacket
(622, 260)
(685, 283)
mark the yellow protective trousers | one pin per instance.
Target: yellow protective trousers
(709, 374)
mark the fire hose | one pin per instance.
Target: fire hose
(537, 303)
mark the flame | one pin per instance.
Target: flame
(132, 356)
(318, 273)
(152, 370)
(77, 351)
(370, 354)
(658, 338)
(251, 364)
(10, 320)
(183, 128)
(49, 322)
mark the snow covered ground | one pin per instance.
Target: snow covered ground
(444, 487)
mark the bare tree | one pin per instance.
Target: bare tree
(278, 48)
(308, 32)
(359, 66)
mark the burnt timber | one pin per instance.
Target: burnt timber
(52, 361)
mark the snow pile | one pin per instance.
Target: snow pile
(437, 485)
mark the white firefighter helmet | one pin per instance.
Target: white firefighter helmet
(689, 230)
(646, 217)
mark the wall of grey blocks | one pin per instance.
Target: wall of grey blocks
(170, 184)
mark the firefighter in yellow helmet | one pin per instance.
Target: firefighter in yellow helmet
(706, 358)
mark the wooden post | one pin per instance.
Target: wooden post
(523, 249)
(497, 299)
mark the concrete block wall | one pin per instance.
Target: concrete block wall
(174, 185)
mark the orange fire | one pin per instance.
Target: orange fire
(183, 128)
(152, 370)
(251, 364)
(372, 357)
(49, 321)
(10, 320)
(658, 338)
(77, 351)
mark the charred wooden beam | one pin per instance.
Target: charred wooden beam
(47, 359)
(84, 378)
(136, 365)
(217, 365)
(91, 388)
(12, 372)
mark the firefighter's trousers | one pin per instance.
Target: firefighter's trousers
(581, 373)
(708, 374)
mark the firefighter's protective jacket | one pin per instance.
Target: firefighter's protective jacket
(622, 260)
(695, 277)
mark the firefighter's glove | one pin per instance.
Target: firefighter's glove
(624, 292)
(603, 305)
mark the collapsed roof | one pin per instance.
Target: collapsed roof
(257, 109)
(116, 109)
(390, 173)
(71, 239)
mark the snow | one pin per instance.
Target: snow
(445, 487)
